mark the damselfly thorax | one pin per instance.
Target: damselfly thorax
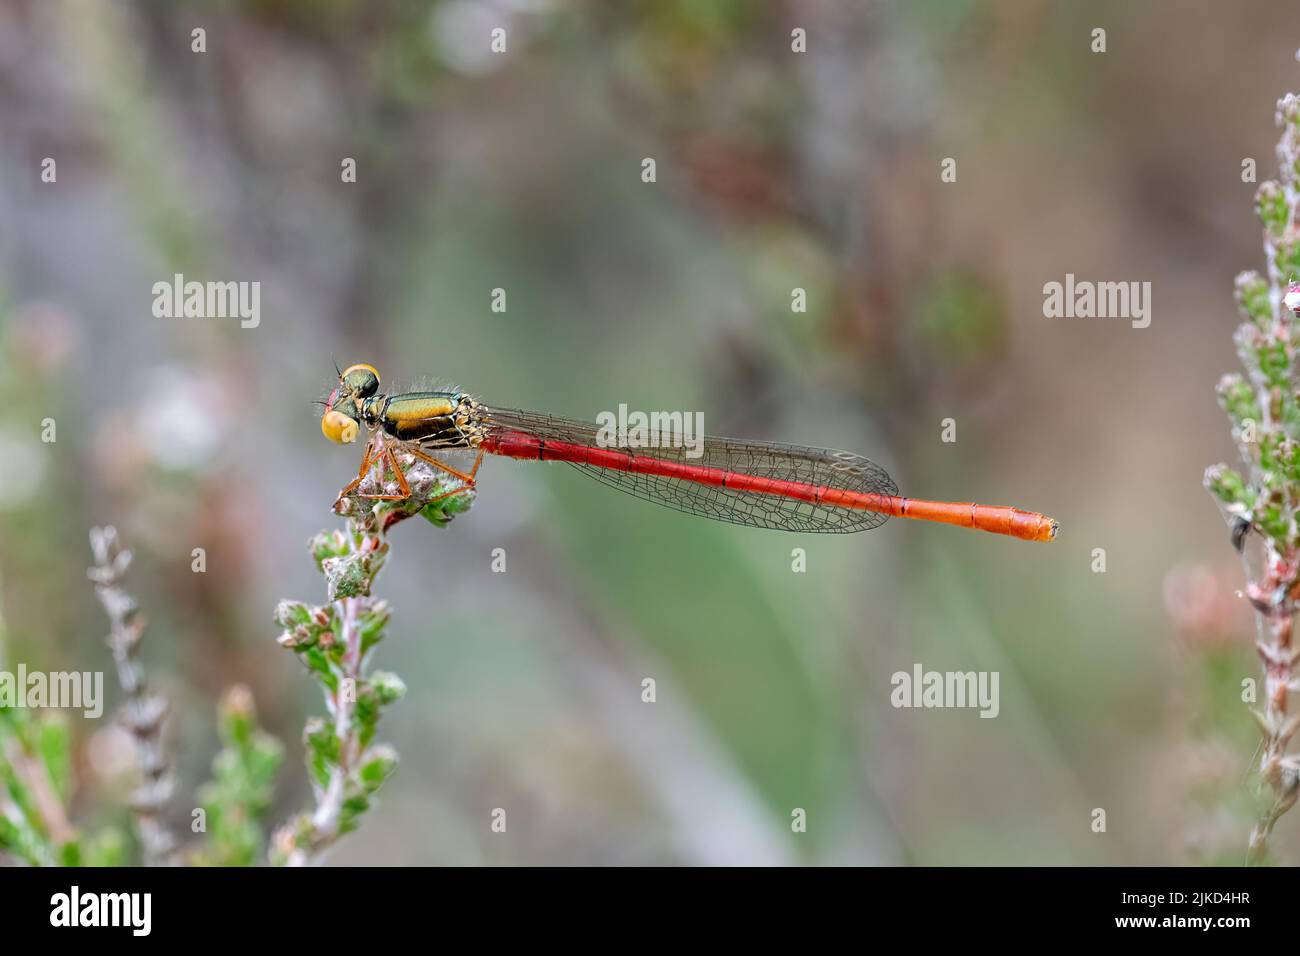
(431, 419)
(755, 483)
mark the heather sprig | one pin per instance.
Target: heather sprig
(143, 713)
(1261, 500)
(335, 640)
(244, 768)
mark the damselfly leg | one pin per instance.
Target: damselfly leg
(382, 454)
(378, 453)
(467, 480)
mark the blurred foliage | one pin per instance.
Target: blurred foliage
(243, 777)
(36, 774)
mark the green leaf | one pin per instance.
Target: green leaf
(292, 614)
(378, 766)
(320, 665)
(387, 686)
(372, 623)
(326, 545)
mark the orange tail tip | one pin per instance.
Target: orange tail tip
(996, 519)
(1026, 525)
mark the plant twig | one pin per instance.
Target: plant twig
(143, 713)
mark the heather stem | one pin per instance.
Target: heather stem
(334, 641)
(326, 817)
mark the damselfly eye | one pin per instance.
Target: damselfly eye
(363, 380)
(339, 428)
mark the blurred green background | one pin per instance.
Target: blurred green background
(776, 170)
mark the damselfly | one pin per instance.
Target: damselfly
(755, 483)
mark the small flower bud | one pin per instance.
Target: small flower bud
(1292, 298)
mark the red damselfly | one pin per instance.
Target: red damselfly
(755, 483)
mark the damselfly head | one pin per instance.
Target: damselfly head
(342, 419)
